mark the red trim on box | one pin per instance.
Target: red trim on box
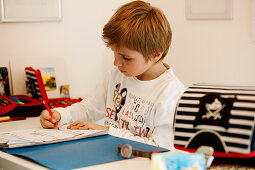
(56, 102)
(11, 105)
(221, 154)
(29, 101)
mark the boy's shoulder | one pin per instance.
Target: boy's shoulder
(171, 84)
(170, 74)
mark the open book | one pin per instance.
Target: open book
(30, 137)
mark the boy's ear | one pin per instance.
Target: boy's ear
(157, 57)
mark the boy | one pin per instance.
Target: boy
(138, 97)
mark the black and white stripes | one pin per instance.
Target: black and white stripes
(235, 132)
(32, 83)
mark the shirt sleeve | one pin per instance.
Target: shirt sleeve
(89, 109)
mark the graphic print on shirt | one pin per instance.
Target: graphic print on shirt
(119, 99)
(140, 109)
(140, 121)
(129, 112)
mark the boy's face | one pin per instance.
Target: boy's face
(130, 62)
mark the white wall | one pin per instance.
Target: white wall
(217, 51)
(76, 39)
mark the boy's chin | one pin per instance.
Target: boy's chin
(127, 74)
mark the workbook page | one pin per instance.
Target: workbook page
(13, 138)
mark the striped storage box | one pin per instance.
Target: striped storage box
(217, 116)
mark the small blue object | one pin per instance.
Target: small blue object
(15, 99)
(178, 161)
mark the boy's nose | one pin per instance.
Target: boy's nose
(117, 61)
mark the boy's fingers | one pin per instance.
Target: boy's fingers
(47, 124)
(46, 115)
(78, 125)
(75, 127)
(74, 124)
(45, 120)
(83, 128)
(56, 116)
(71, 127)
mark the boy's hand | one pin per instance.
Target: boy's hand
(82, 125)
(47, 121)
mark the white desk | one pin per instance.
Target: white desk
(11, 162)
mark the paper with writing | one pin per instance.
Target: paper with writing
(30, 137)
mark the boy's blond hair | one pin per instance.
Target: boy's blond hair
(141, 27)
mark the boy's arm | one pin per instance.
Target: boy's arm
(91, 108)
(85, 110)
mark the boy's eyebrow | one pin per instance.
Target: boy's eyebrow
(124, 54)
(121, 53)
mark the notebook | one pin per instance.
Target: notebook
(31, 137)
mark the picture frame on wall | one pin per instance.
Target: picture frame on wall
(30, 10)
(209, 9)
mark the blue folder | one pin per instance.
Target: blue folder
(79, 153)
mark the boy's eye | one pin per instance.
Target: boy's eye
(125, 58)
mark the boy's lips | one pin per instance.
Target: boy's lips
(122, 71)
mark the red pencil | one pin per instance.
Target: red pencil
(49, 110)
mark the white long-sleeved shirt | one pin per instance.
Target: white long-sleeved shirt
(137, 110)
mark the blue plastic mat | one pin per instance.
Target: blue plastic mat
(79, 153)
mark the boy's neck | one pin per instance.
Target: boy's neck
(153, 72)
